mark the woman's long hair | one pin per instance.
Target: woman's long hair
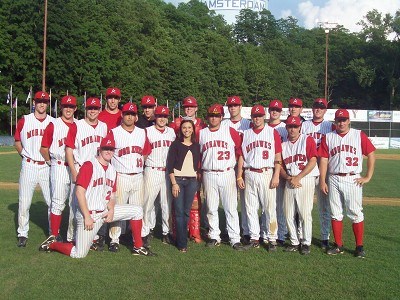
(193, 136)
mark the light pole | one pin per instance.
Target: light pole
(327, 26)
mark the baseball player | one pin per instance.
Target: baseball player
(53, 151)
(156, 180)
(148, 103)
(83, 140)
(219, 146)
(275, 111)
(317, 128)
(95, 194)
(190, 108)
(111, 115)
(300, 171)
(240, 124)
(34, 170)
(261, 148)
(341, 156)
(132, 147)
(296, 108)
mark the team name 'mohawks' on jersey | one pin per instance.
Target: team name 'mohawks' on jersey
(257, 151)
(128, 155)
(345, 155)
(217, 148)
(295, 158)
(31, 136)
(160, 143)
(316, 131)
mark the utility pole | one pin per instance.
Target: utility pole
(327, 26)
(44, 47)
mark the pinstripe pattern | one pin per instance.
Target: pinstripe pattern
(280, 214)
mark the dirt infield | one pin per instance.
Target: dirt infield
(388, 156)
(367, 200)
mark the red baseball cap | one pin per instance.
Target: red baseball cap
(257, 110)
(189, 102)
(68, 100)
(276, 104)
(148, 100)
(108, 142)
(113, 91)
(129, 107)
(234, 100)
(296, 102)
(216, 109)
(295, 121)
(42, 96)
(161, 111)
(320, 102)
(342, 114)
(93, 102)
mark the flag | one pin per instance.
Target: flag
(9, 96)
(15, 103)
(29, 97)
(178, 104)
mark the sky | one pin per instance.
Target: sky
(344, 12)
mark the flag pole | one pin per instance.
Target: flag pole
(16, 112)
(30, 100)
(11, 119)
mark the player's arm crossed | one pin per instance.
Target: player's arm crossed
(277, 170)
(239, 179)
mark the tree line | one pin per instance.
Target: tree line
(151, 47)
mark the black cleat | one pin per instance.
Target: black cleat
(142, 251)
(292, 248)
(325, 245)
(99, 244)
(146, 241)
(280, 243)
(45, 245)
(166, 239)
(22, 241)
(360, 253)
(239, 247)
(254, 244)
(114, 247)
(246, 239)
(335, 250)
(213, 243)
(272, 247)
(305, 249)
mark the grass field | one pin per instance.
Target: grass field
(202, 273)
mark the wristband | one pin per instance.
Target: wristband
(278, 162)
(48, 162)
(240, 178)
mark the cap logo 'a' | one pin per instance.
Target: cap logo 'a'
(340, 113)
(295, 101)
(131, 107)
(109, 142)
(276, 104)
(69, 99)
(93, 102)
(293, 121)
(233, 99)
(43, 95)
(257, 109)
(163, 110)
(148, 100)
(189, 100)
(113, 91)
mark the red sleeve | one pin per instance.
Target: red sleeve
(366, 145)
(237, 139)
(323, 148)
(47, 138)
(70, 140)
(278, 142)
(115, 184)
(311, 148)
(85, 175)
(20, 125)
(147, 146)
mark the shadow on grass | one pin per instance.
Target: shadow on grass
(37, 215)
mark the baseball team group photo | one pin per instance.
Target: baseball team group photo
(165, 153)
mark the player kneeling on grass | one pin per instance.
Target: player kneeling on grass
(95, 191)
(299, 153)
(341, 156)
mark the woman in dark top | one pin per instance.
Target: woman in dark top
(182, 166)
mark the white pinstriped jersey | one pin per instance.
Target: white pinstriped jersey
(160, 143)
(259, 149)
(101, 185)
(239, 126)
(217, 148)
(128, 155)
(31, 136)
(345, 153)
(281, 128)
(295, 158)
(88, 140)
(316, 131)
(57, 147)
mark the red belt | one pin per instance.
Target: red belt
(258, 170)
(35, 161)
(345, 174)
(60, 162)
(95, 211)
(158, 168)
(218, 170)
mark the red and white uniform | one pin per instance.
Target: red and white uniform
(85, 140)
(219, 149)
(296, 156)
(345, 159)
(54, 139)
(112, 120)
(156, 180)
(317, 131)
(259, 148)
(34, 169)
(128, 161)
(280, 214)
(99, 182)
